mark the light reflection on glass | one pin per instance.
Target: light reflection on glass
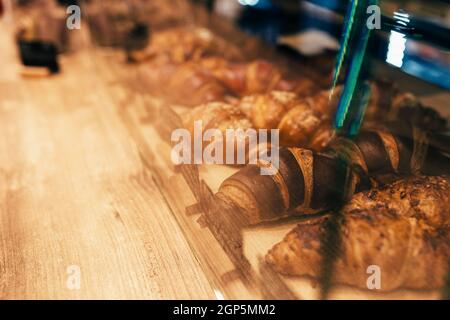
(397, 40)
(396, 49)
(248, 2)
(400, 16)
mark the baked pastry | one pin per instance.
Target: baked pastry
(184, 44)
(403, 228)
(308, 182)
(258, 76)
(221, 116)
(190, 86)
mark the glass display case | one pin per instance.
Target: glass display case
(273, 200)
(234, 108)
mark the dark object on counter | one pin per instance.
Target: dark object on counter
(44, 22)
(117, 30)
(138, 37)
(23, 3)
(39, 54)
(66, 3)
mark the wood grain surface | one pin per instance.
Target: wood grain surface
(74, 192)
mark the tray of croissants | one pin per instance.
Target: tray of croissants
(338, 217)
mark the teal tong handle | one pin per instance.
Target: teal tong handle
(352, 54)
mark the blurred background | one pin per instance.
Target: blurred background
(313, 26)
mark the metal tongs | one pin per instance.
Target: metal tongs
(352, 65)
(353, 62)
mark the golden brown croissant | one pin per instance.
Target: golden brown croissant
(258, 76)
(300, 121)
(180, 44)
(402, 228)
(219, 116)
(216, 56)
(306, 122)
(303, 122)
(190, 86)
(214, 78)
(186, 85)
(308, 182)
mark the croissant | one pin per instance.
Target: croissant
(215, 79)
(217, 115)
(180, 44)
(220, 116)
(258, 76)
(191, 86)
(299, 122)
(302, 122)
(306, 122)
(402, 228)
(186, 85)
(308, 182)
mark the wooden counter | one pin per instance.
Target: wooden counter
(74, 192)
